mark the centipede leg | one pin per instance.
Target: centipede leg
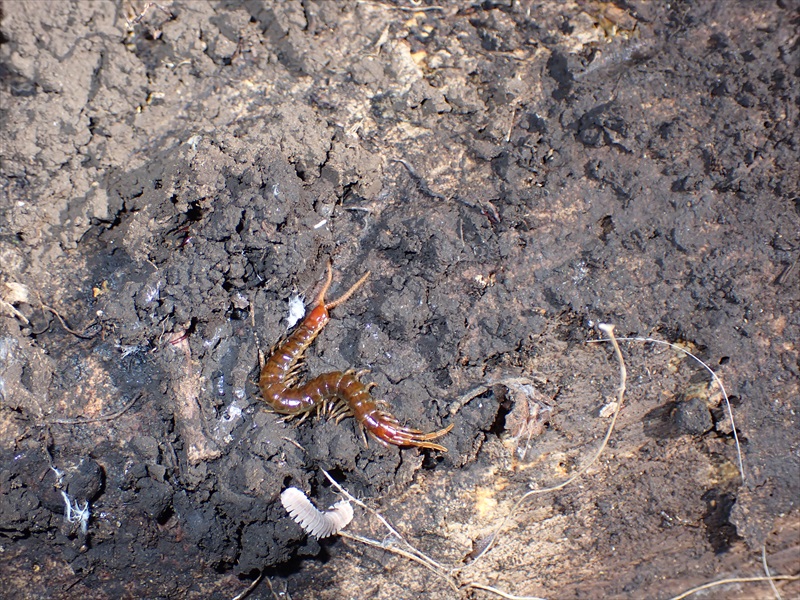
(322, 409)
(364, 435)
(304, 417)
(340, 412)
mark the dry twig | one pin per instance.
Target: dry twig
(481, 389)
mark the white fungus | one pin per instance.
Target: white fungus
(297, 310)
(74, 513)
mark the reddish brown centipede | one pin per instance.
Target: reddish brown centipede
(341, 393)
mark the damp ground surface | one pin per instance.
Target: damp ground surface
(512, 174)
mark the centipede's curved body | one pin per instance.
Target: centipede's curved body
(340, 393)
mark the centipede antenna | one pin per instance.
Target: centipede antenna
(324, 290)
(348, 293)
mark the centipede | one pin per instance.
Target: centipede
(338, 394)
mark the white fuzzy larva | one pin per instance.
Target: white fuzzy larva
(314, 522)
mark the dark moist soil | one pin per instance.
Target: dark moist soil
(512, 174)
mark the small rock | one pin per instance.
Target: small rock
(691, 417)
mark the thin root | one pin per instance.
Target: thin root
(397, 544)
(82, 336)
(395, 539)
(501, 593)
(767, 573)
(623, 376)
(246, 592)
(707, 586)
(110, 417)
(408, 551)
(714, 376)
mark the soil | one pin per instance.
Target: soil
(512, 174)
